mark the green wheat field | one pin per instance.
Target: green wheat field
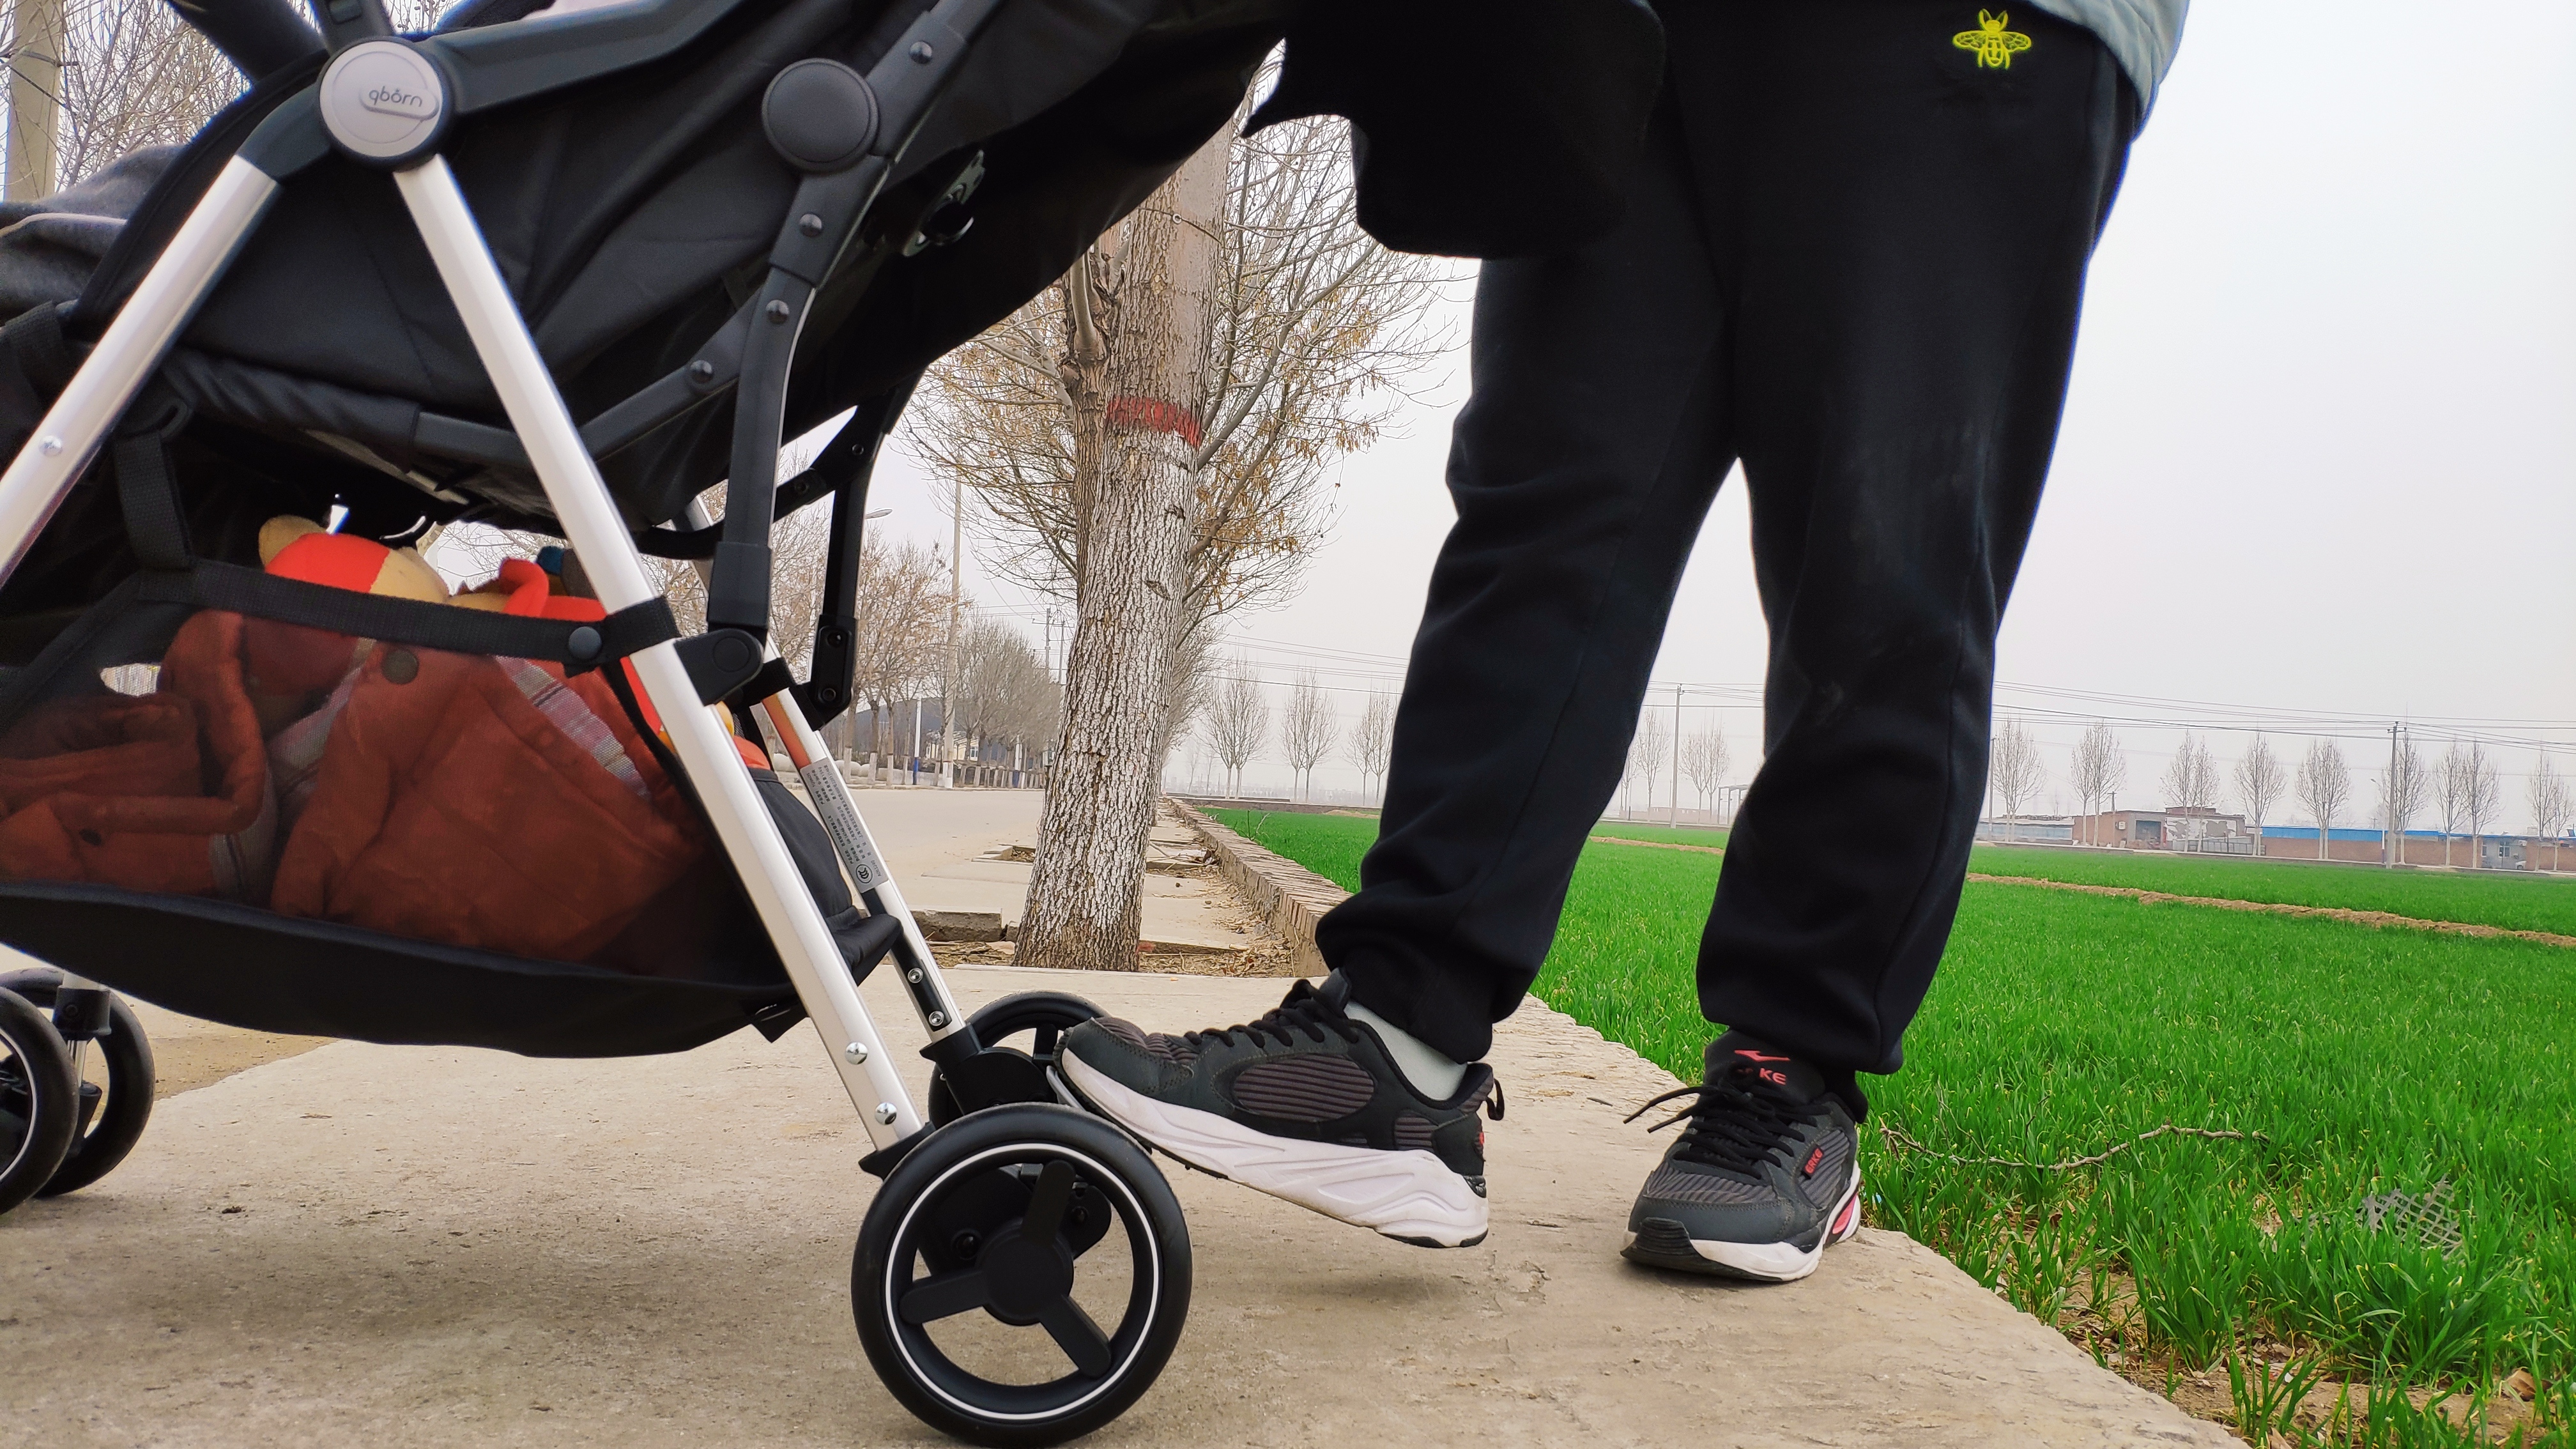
(2357, 1062)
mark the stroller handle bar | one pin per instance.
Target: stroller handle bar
(260, 37)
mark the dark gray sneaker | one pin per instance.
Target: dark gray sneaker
(1302, 1104)
(1765, 1177)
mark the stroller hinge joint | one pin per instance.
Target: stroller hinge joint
(720, 661)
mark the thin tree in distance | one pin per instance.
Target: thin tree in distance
(2549, 805)
(2451, 785)
(1704, 760)
(1004, 692)
(2191, 777)
(2325, 782)
(2015, 772)
(2485, 799)
(2259, 783)
(1306, 731)
(1238, 722)
(2101, 768)
(1647, 751)
(2403, 788)
(1372, 742)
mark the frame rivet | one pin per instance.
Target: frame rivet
(50, 446)
(885, 1113)
(856, 1051)
(921, 52)
(913, 976)
(778, 311)
(938, 1019)
(810, 224)
(702, 371)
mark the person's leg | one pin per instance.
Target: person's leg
(1901, 234)
(1581, 469)
(1909, 237)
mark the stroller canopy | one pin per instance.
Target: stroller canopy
(631, 216)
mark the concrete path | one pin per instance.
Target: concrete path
(419, 1246)
(938, 843)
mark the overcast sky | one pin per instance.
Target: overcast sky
(2319, 462)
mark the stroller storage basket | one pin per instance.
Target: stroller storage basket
(246, 967)
(296, 828)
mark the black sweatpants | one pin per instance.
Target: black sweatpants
(1853, 260)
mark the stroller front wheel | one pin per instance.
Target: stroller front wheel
(39, 1100)
(103, 1134)
(1022, 1276)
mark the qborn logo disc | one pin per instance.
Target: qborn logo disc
(382, 100)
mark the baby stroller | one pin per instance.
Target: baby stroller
(253, 769)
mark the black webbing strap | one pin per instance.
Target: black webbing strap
(36, 337)
(577, 647)
(624, 689)
(146, 488)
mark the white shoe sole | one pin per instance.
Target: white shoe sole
(1779, 1262)
(1411, 1195)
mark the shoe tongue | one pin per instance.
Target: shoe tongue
(1762, 1065)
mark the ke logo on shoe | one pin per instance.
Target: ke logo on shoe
(1993, 44)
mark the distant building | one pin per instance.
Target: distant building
(2026, 830)
(2198, 830)
(2193, 829)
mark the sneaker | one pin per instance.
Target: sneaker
(1765, 1176)
(1304, 1104)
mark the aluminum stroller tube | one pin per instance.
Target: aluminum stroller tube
(599, 539)
(857, 847)
(62, 445)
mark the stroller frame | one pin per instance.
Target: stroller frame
(997, 1115)
(190, 267)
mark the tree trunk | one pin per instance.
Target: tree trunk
(1135, 383)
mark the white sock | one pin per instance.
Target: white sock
(1433, 1075)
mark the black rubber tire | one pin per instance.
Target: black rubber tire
(39, 1101)
(119, 1123)
(965, 1154)
(1045, 1014)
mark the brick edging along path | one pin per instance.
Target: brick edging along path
(1291, 897)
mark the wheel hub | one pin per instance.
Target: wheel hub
(1027, 1276)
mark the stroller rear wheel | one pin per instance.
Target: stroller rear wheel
(39, 1109)
(1011, 1212)
(110, 1113)
(1045, 1015)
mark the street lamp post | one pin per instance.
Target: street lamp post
(948, 677)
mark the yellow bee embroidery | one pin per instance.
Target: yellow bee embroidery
(1993, 44)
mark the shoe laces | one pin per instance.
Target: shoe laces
(1733, 1124)
(1305, 1012)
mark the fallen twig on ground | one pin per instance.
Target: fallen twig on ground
(1897, 1135)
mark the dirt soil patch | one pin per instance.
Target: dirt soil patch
(2374, 919)
(2274, 908)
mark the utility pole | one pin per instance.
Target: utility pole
(2390, 845)
(35, 96)
(1675, 817)
(956, 569)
